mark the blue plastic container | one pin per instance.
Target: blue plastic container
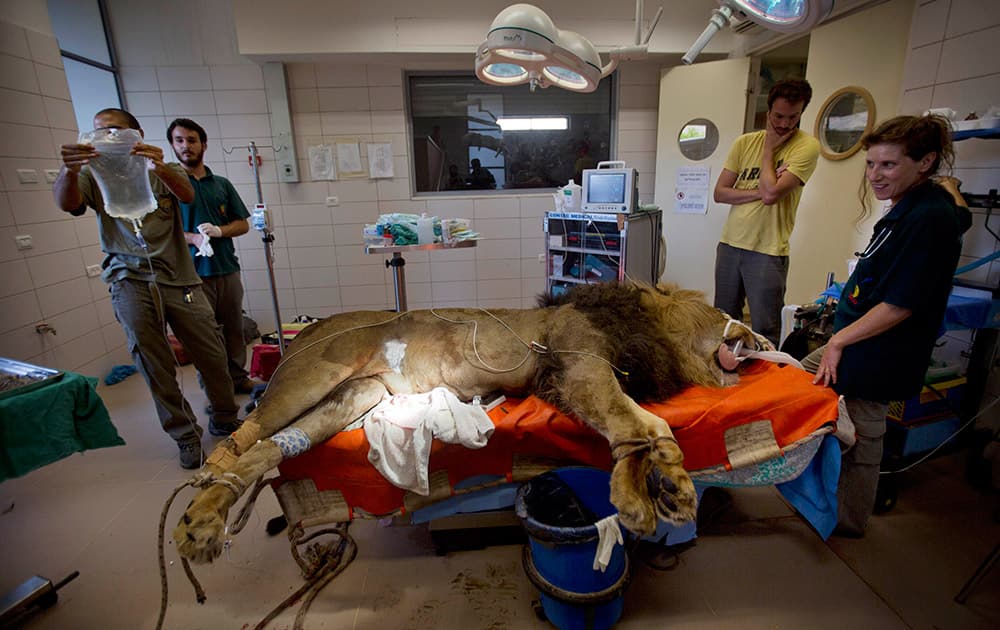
(559, 560)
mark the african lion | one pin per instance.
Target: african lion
(595, 353)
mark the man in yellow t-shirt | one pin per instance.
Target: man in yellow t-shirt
(763, 178)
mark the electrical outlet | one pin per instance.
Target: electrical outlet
(51, 174)
(27, 175)
(93, 270)
(541, 258)
(23, 241)
(333, 201)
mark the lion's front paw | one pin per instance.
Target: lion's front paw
(650, 484)
(628, 495)
(199, 534)
(672, 493)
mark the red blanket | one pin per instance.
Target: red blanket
(699, 417)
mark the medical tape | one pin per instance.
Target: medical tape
(246, 436)
(770, 355)
(291, 442)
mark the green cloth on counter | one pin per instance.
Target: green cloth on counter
(48, 423)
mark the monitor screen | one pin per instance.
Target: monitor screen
(606, 188)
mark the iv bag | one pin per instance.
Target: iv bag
(122, 177)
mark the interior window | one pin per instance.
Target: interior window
(80, 26)
(469, 136)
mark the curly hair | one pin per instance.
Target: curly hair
(792, 90)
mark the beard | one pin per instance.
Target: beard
(190, 160)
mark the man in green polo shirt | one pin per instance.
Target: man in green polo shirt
(216, 215)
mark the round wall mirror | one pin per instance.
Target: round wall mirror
(843, 120)
(698, 139)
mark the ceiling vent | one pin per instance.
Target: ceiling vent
(741, 25)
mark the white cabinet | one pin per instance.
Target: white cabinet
(583, 248)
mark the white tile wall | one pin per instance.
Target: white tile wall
(242, 77)
(18, 74)
(953, 63)
(52, 81)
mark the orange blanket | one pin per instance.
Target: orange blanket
(699, 417)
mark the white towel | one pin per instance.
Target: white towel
(205, 249)
(400, 431)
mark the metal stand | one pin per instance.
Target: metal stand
(267, 237)
(397, 262)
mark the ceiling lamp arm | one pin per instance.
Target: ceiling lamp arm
(641, 48)
(624, 53)
(718, 21)
(649, 33)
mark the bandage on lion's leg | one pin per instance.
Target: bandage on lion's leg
(199, 535)
(274, 412)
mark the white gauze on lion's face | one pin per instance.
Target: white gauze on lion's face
(395, 352)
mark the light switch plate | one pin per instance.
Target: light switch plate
(333, 201)
(93, 270)
(51, 174)
(23, 241)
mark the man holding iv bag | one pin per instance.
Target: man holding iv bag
(149, 271)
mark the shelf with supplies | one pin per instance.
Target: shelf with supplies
(585, 248)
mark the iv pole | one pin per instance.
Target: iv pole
(261, 224)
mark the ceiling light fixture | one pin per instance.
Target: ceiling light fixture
(524, 46)
(786, 16)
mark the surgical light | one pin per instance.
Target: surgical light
(523, 45)
(786, 16)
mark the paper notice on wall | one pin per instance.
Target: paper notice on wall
(380, 159)
(321, 164)
(691, 189)
(349, 160)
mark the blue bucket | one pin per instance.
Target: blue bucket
(559, 559)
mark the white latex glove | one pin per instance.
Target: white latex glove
(609, 534)
(211, 230)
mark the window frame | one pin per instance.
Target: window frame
(113, 67)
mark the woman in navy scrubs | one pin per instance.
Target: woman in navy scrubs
(890, 312)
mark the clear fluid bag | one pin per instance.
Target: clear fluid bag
(123, 178)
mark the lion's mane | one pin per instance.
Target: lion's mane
(633, 338)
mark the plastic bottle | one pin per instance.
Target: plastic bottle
(425, 229)
(572, 192)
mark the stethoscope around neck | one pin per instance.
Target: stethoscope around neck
(875, 243)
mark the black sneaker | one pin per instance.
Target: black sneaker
(223, 429)
(191, 455)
